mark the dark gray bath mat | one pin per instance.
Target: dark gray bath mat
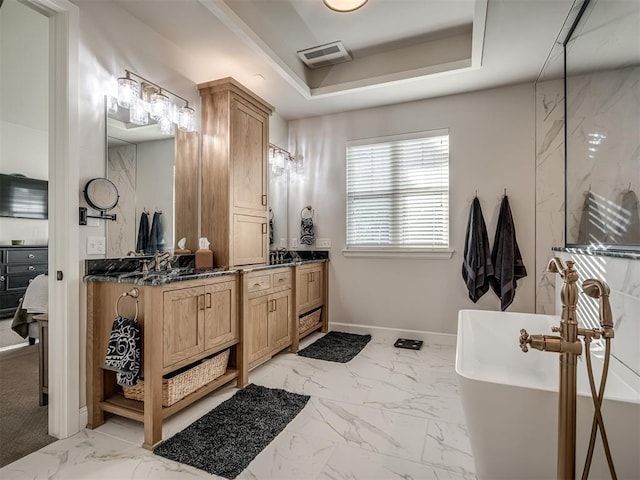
(225, 440)
(336, 347)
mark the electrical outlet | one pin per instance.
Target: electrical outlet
(294, 242)
(323, 243)
(93, 222)
(283, 243)
(96, 245)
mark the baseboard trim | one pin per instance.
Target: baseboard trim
(429, 338)
(83, 417)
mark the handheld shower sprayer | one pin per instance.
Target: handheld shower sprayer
(600, 290)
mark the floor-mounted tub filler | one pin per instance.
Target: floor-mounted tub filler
(511, 402)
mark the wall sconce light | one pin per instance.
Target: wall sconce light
(159, 107)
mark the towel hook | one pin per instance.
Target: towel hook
(308, 207)
(133, 293)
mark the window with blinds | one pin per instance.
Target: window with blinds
(398, 192)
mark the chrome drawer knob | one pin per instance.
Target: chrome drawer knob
(31, 255)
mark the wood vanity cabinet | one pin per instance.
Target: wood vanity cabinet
(197, 320)
(268, 312)
(182, 323)
(235, 139)
(311, 295)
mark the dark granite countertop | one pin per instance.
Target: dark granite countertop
(601, 252)
(127, 269)
(160, 278)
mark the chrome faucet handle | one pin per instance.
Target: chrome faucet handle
(525, 339)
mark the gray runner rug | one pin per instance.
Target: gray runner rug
(336, 347)
(225, 440)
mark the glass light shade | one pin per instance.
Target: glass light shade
(138, 114)
(128, 92)
(344, 5)
(186, 119)
(279, 160)
(166, 126)
(112, 104)
(159, 106)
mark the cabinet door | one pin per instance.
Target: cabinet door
(302, 290)
(280, 320)
(183, 324)
(220, 320)
(258, 325)
(249, 240)
(249, 139)
(315, 288)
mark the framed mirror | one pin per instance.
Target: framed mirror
(156, 176)
(602, 101)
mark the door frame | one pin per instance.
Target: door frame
(64, 260)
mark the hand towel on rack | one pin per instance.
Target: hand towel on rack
(477, 268)
(156, 237)
(123, 351)
(36, 297)
(592, 227)
(506, 258)
(143, 233)
(630, 233)
(307, 234)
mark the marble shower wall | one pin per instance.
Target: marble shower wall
(623, 277)
(622, 274)
(121, 235)
(603, 145)
(549, 187)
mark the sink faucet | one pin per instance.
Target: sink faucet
(158, 257)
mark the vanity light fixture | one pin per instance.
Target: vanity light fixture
(344, 6)
(159, 107)
(281, 161)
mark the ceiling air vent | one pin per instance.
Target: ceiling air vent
(324, 55)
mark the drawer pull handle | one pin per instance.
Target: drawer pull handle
(264, 228)
(264, 200)
(257, 284)
(280, 280)
(200, 302)
(31, 255)
(31, 268)
(208, 300)
(2, 278)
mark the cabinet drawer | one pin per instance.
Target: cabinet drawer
(35, 269)
(10, 300)
(18, 281)
(282, 279)
(258, 283)
(26, 255)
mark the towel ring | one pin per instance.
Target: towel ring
(311, 210)
(133, 293)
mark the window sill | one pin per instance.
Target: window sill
(425, 253)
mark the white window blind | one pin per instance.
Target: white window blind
(398, 192)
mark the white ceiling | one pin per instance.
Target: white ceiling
(403, 50)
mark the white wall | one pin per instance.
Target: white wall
(491, 148)
(24, 94)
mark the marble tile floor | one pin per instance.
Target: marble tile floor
(389, 413)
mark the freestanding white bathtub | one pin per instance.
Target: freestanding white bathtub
(510, 401)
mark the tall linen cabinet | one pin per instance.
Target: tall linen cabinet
(235, 139)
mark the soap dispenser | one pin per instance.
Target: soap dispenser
(204, 256)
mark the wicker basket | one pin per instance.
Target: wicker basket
(181, 385)
(309, 320)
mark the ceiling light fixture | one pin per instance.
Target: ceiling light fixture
(160, 107)
(344, 6)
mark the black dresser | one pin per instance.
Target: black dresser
(18, 266)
